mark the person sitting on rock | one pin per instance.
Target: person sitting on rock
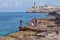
(35, 22)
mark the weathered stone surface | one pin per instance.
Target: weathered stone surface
(7, 38)
(42, 34)
(51, 37)
(23, 34)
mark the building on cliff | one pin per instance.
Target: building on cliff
(43, 9)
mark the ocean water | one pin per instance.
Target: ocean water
(10, 21)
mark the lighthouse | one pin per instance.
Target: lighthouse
(34, 4)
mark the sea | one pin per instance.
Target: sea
(10, 21)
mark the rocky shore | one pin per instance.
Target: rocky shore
(37, 29)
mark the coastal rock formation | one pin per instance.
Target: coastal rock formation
(36, 37)
(45, 29)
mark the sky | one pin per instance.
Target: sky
(24, 5)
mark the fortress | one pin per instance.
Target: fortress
(43, 9)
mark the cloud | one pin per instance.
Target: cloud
(23, 5)
(52, 2)
(49, 2)
(11, 3)
(5, 5)
(18, 4)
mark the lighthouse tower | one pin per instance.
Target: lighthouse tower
(34, 4)
(46, 5)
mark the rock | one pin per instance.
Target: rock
(7, 38)
(51, 37)
(23, 34)
(43, 34)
